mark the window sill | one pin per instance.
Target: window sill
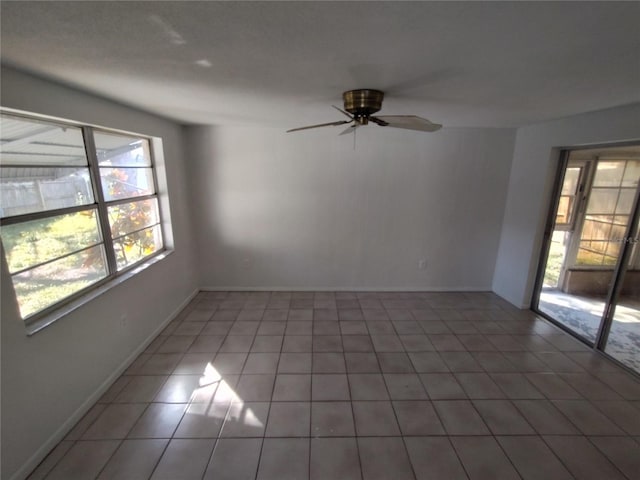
(42, 322)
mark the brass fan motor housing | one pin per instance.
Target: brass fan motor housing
(362, 103)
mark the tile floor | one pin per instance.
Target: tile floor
(343, 386)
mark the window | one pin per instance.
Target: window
(78, 207)
(608, 210)
(568, 196)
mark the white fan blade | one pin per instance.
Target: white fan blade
(349, 129)
(409, 122)
(342, 111)
(330, 124)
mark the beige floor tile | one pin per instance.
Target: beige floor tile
(367, 386)
(395, 362)
(206, 344)
(404, 386)
(384, 458)
(623, 452)
(134, 460)
(545, 418)
(84, 460)
(180, 388)
(115, 388)
(202, 420)
(582, 458)
(375, 419)
(292, 387)
(51, 460)
(284, 459)
(289, 419)
(502, 417)
(297, 343)
(479, 386)
(176, 344)
(255, 388)
(361, 362)
(334, 458)
(459, 417)
(185, 459)
(332, 419)
(516, 386)
(587, 418)
(194, 364)
(115, 421)
(433, 458)
(78, 430)
(141, 389)
(417, 418)
(483, 459)
(624, 414)
(245, 419)
(328, 362)
(261, 363)
(329, 387)
(357, 343)
(234, 459)
(442, 386)
(461, 362)
(532, 458)
(267, 344)
(553, 386)
(158, 421)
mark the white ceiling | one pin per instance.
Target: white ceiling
(284, 63)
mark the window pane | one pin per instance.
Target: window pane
(570, 184)
(120, 183)
(125, 218)
(603, 200)
(30, 142)
(119, 150)
(625, 201)
(631, 174)
(609, 174)
(564, 207)
(28, 190)
(37, 241)
(595, 230)
(613, 250)
(133, 248)
(588, 257)
(43, 286)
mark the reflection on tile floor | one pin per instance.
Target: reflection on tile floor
(273, 385)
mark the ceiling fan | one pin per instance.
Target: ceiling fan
(359, 107)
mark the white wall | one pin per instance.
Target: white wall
(535, 162)
(306, 210)
(48, 378)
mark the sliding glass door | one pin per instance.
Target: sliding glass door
(588, 283)
(621, 337)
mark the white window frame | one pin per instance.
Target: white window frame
(46, 316)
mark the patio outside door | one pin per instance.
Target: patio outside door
(591, 260)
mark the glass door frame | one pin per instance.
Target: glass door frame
(620, 269)
(630, 238)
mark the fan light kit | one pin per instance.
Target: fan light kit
(359, 107)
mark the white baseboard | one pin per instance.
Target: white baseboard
(66, 427)
(343, 289)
